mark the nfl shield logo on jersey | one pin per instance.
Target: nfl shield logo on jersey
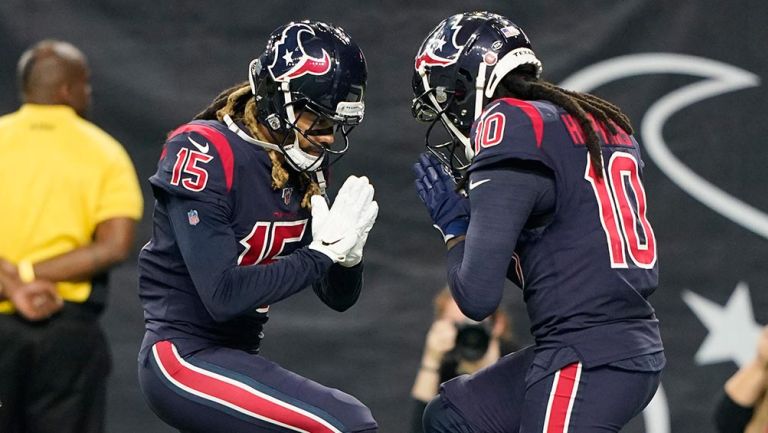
(193, 217)
(287, 193)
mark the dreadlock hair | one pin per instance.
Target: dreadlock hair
(524, 85)
(239, 103)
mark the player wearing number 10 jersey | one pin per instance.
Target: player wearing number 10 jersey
(556, 204)
(233, 234)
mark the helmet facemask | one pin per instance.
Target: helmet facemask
(289, 109)
(443, 139)
(339, 123)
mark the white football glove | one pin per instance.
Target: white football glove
(367, 218)
(335, 231)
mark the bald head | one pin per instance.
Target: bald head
(55, 72)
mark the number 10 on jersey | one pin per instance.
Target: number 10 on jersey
(621, 201)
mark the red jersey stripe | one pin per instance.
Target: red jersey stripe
(533, 113)
(219, 142)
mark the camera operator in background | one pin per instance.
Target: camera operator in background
(743, 406)
(457, 345)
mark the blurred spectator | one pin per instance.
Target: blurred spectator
(457, 345)
(743, 407)
(70, 204)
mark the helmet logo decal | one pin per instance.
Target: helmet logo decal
(436, 51)
(291, 60)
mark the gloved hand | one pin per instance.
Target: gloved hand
(365, 224)
(367, 218)
(447, 208)
(336, 231)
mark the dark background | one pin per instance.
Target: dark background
(156, 63)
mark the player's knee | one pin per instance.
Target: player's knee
(354, 415)
(374, 429)
(433, 416)
(439, 417)
(364, 424)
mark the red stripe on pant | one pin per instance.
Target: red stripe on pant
(213, 388)
(560, 404)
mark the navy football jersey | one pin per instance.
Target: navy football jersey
(587, 274)
(216, 214)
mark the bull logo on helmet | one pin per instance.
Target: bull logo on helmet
(291, 60)
(442, 49)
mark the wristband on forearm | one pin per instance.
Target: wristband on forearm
(429, 368)
(26, 271)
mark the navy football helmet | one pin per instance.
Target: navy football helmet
(309, 67)
(457, 69)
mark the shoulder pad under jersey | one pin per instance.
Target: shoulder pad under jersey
(197, 162)
(509, 129)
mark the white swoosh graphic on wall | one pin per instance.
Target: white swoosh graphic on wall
(719, 78)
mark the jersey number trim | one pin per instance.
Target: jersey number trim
(268, 239)
(186, 163)
(621, 201)
(490, 131)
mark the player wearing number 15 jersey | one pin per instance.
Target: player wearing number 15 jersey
(233, 234)
(554, 202)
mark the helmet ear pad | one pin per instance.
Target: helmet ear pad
(269, 106)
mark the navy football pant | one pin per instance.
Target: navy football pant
(226, 390)
(569, 400)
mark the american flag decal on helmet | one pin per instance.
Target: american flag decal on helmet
(510, 31)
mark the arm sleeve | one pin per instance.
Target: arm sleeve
(341, 288)
(210, 253)
(730, 417)
(500, 208)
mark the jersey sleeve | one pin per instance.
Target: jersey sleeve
(508, 129)
(196, 162)
(477, 267)
(209, 249)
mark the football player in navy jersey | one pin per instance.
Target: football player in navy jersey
(241, 222)
(550, 196)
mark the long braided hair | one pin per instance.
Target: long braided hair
(238, 102)
(524, 85)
